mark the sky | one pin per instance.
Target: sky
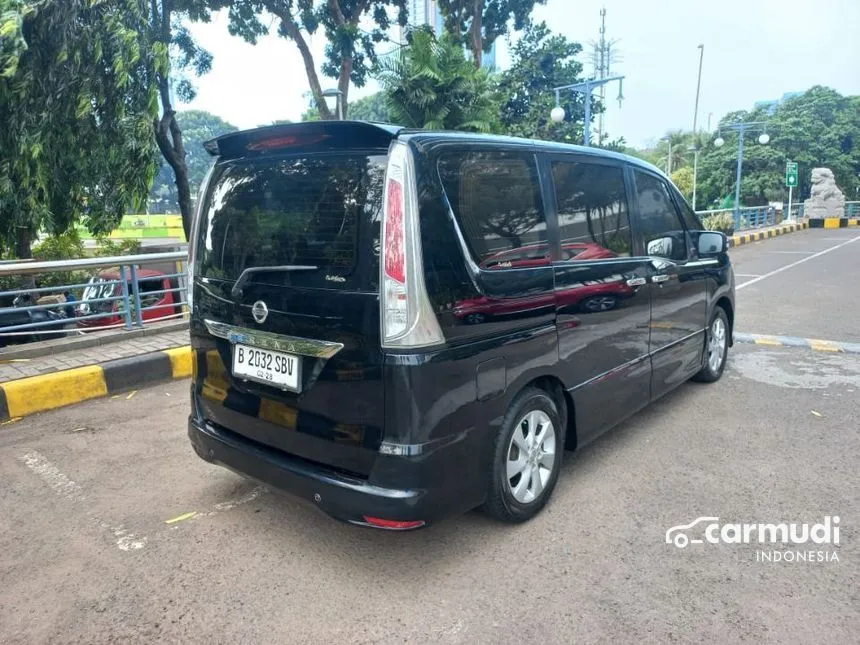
(754, 50)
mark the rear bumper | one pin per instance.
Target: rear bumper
(343, 497)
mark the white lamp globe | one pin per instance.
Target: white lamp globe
(557, 114)
(764, 138)
(719, 141)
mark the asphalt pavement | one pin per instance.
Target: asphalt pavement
(113, 531)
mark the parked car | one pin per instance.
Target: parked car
(154, 301)
(345, 248)
(49, 321)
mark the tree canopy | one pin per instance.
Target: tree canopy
(477, 24)
(197, 126)
(818, 128)
(430, 84)
(77, 100)
(541, 61)
(352, 29)
(168, 29)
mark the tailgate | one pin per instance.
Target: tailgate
(286, 310)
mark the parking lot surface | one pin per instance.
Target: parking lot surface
(113, 531)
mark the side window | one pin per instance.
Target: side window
(593, 219)
(691, 220)
(496, 198)
(659, 222)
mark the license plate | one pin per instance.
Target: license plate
(265, 366)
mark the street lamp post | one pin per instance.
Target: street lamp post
(336, 93)
(741, 128)
(695, 150)
(668, 141)
(698, 87)
(585, 88)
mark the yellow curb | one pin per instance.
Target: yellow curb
(180, 361)
(48, 391)
(823, 345)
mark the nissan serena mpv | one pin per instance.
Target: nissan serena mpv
(402, 325)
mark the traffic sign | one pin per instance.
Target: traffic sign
(791, 174)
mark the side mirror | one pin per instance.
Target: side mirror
(712, 243)
(661, 247)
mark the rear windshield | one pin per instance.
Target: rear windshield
(322, 211)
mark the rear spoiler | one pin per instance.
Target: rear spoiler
(319, 135)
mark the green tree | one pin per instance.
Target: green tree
(478, 23)
(430, 84)
(819, 128)
(197, 127)
(368, 108)
(673, 150)
(541, 61)
(169, 34)
(352, 29)
(76, 105)
(683, 179)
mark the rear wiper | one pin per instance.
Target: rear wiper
(236, 291)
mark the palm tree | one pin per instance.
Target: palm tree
(430, 84)
(674, 149)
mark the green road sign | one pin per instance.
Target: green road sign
(791, 174)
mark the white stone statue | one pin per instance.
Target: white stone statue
(825, 200)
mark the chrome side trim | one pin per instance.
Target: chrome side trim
(276, 342)
(710, 262)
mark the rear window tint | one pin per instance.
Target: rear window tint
(496, 198)
(310, 211)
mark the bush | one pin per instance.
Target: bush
(723, 222)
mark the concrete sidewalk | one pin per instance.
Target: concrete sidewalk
(31, 385)
(18, 368)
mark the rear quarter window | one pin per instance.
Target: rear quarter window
(496, 198)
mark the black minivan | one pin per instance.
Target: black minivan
(401, 325)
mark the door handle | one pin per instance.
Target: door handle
(636, 282)
(660, 277)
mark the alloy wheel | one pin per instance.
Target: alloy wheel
(531, 457)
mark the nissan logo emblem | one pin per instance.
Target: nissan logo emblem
(259, 311)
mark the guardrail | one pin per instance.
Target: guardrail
(108, 293)
(750, 217)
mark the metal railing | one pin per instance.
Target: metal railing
(125, 297)
(750, 217)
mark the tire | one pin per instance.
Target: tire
(516, 499)
(715, 346)
(596, 304)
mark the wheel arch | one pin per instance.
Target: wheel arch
(553, 386)
(727, 306)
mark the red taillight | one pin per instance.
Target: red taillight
(395, 251)
(393, 525)
(408, 319)
(274, 143)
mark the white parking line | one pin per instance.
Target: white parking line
(71, 490)
(794, 264)
(51, 475)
